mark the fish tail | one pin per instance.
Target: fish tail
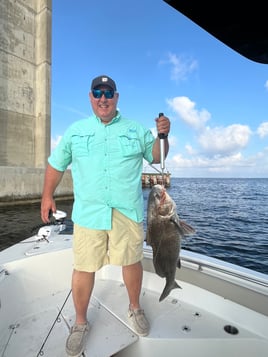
(168, 289)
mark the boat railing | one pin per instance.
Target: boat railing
(220, 269)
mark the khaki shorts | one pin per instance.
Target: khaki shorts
(122, 245)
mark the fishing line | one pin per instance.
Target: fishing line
(13, 328)
(41, 352)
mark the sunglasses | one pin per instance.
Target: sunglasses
(98, 93)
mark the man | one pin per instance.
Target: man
(106, 152)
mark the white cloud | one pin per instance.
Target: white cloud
(235, 165)
(213, 141)
(189, 149)
(185, 109)
(224, 140)
(216, 151)
(171, 138)
(186, 162)
(215, 163)
(55, 141)
(263, 130)
(181, 66)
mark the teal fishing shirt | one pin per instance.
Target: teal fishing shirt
(106, 163)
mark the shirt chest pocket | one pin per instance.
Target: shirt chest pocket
(130, 145)
(81, 144)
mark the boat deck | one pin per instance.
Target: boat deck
(175, 324)
(36, 311)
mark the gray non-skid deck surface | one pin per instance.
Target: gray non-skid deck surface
(107, 336)
(171, 318)
(107, 315)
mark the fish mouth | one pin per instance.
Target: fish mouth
(164, 206)
(162, 197)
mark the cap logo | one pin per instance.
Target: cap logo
(104, 79)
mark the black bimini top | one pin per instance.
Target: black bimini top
(241, 25)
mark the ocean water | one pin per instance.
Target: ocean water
(230, 217)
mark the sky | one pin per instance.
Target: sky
(216, 99)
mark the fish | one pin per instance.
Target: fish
(164, 233)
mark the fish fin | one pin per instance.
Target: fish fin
(168, 289)
(147, 238)
(186, 228)
(176, 221)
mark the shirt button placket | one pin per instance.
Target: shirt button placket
(105, 166)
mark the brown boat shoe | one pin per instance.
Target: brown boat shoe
(138, 321)
(75, 343)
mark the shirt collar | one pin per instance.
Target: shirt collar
(114, 120)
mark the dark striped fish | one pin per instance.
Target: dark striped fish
(164, 233)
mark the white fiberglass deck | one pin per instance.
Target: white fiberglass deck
(193, 323)
(36, 311)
